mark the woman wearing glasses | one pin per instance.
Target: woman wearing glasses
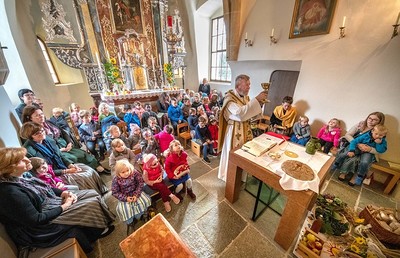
(350, 165)
(42, 146)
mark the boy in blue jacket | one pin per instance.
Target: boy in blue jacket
(376, 139)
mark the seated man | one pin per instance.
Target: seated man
(283, 117)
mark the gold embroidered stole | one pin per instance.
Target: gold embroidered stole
(241, 129)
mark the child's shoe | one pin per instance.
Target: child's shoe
(359, 180)
(175, 199)
(191, 194)
(342, 176)
(207, 160)
(167, 206)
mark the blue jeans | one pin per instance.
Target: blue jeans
(301, 141)
(91, 145)
(366, 160)
(208, 149)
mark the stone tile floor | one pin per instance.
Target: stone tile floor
(213, 227)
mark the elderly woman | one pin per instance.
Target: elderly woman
(42, 146)
(351, 165)
(63, 140)
(36, 215)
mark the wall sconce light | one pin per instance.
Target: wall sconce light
(396, 27)
(247, 42)
(342, 29)
(272, 38)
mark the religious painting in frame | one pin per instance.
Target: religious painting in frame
(126, 14)
(312, 17)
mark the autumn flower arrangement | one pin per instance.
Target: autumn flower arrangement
(169, 73)
(112, 71)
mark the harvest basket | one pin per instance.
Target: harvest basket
(381, 233)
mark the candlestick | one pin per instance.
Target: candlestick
(398, 18)
(245, 37)
(272, 32)
(344, 21)
(98, 60)
(108, 56)
(169, 20)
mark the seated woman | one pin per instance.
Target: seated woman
(349, 166)
(283, 117)
(39, 145)
(36, 215)
(68, 147)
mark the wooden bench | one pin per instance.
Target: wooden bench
(392, 177)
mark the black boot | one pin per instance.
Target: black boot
(191, 194)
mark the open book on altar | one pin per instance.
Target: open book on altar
(261, 144)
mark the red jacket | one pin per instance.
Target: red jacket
(214, 134)
(173, 161)
(164, 139)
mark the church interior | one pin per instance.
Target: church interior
(122, 51)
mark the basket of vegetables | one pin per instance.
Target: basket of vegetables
(385, 223)
(331, 209)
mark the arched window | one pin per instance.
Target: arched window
(52, 71)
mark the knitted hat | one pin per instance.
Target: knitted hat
(148, 160)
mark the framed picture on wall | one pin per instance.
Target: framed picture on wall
(312, 17)
(126, 14)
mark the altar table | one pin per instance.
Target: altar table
(298, 202)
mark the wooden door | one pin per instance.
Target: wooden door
(283, 83)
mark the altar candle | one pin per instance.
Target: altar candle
(98, 60)
(159, 58)
(398, 18)
(120, 61)
(152, 63)
(245, 37)
(272, 32)
(344, 21)
(108, 55)
(169, 20)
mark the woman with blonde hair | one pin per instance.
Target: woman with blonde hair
(38, 216)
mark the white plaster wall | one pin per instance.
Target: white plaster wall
(344, 78)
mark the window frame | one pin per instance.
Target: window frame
(49, 62)
(218, 51)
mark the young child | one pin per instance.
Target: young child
(153, 125)
(203, 136)
(165, 137)
(149, 144)
(113, 133)
(329, 135)
(135, 136)
(177, 168)
(153, 177)
(120, 151)
(213, 128)
(301, 131)
(130, 117)
(138, 109)
(95, 114)
(127, 187)
(375, 139)
(146, 115)
(43, 171)
(104, 110)
(75, 108)
(283, 117)
(59, 118)
(206, 103)
(193, 120)
(196, 100)
(187, 105)
(202, 113)
(90, 132)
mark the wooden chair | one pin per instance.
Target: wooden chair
(183, 132)
(263, 123)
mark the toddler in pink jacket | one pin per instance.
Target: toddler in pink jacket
(329, 135)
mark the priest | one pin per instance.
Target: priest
(234, 121)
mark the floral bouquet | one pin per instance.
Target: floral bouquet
(112, 71)
(169, 74)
